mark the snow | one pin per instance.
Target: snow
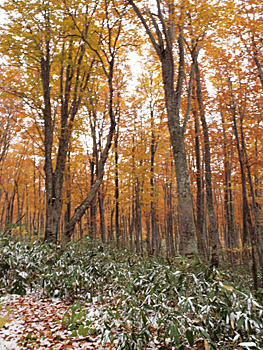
(35, 322)
(8, 345)
(42, 318)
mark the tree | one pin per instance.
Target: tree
(247, 26)
(55, 60)
(106, 49)
(161, 30)
(55, 56)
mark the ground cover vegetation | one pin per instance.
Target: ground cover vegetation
(180, 301)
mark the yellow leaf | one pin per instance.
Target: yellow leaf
(228, 287)
(3, 321)
(232, 323)
(206, 345)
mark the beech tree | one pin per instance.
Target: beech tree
(58, 71)
(163, 24)
(106, 48)
(54, 54)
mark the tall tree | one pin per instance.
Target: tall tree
(55, 60)
(160, 25)
(107, 47)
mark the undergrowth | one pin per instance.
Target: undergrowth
(181, 302)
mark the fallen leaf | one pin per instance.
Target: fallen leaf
(228, 287)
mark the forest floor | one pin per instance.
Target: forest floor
(35, 322)
(94, 297)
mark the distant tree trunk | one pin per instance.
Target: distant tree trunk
(117, 219)
(257, 206)
(124, 229)
(111, 234)
(10, 209)
(93, 204)
(247, 221)
(2, 217)
(152, 183)
(199, 194)
(131, 225)
(171, 226)
(148, 234)
(168, 225)
(68, 190)
(116, 158)
(213, 229)
(102, 216)
(230, 234)
(170, 219)
(137, 216)
(19, 214)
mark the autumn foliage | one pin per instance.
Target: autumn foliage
(87, 134)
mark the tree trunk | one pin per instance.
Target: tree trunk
(152, 183)
(148, 235)
(81, 209)
(213, 229)
(184, 197)
(230, 234)
(199, 194)
(102, 217)
(247, 221)
(117, 219)
(137, 216)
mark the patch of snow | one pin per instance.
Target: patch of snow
(8, 345)
(248, 344)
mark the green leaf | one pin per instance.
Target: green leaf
(8, 309)
(93, 331)
(83, 331)
(240, 322)
(166, 332)
(175, 334)
(190, 336)
(74, 333)
(144, 320)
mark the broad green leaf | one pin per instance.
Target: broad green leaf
(83, 331)
(190, 336)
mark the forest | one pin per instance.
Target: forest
(131, 140)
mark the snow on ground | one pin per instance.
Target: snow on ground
(35, 322)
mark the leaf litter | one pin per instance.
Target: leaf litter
(35, 322)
